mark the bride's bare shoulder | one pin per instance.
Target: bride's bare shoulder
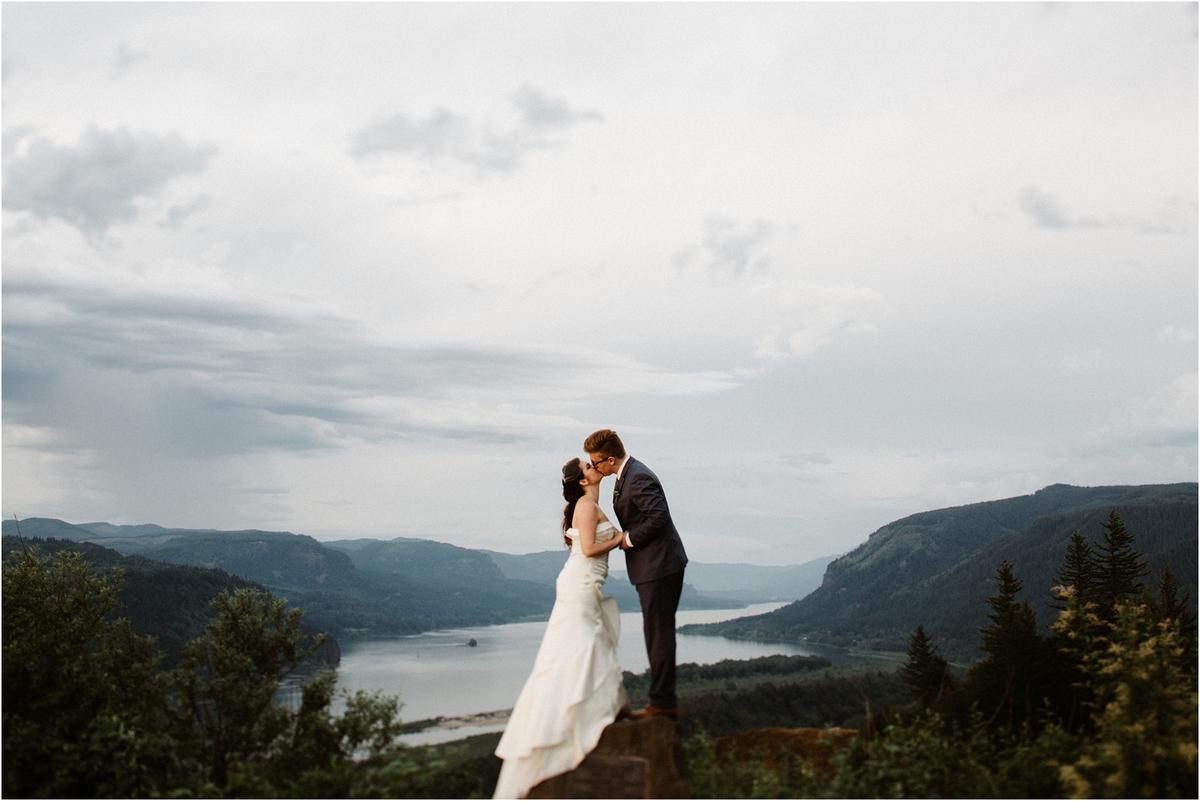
(586, 511)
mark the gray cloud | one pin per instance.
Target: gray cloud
(178, 214)
(445, 134)
(124, 57)
(1176, 217)
(539, 109)
(225, 375)
(441, 133)
(97, 182)
(1046, 212)
(734, 250)
(730, 250)
(13, 137)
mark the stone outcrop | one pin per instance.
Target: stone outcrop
(634, 759)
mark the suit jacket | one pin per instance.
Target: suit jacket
(641, 509)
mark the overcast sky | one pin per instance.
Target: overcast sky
(377, 270)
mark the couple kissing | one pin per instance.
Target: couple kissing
(575, 689)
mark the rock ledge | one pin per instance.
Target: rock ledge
(634, 759)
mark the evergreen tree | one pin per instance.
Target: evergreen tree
(1005, 683)
(1119, 568)
(1010, 621)
(1170, 605)
(925, 672)
(1077, 570)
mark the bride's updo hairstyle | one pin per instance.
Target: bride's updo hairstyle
(572, 492)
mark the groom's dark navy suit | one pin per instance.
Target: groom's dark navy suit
(655, 563)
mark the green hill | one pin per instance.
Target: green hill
(402, 588)
(936, 568)
(757, 583)
(542, 568)
(168, 602)
(459, 576)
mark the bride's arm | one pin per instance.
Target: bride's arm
(587, 515)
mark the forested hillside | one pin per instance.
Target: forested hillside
(337, 596)
(937, 567)
(362, 587)
(171, 603)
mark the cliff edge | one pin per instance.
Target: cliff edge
(634, 759)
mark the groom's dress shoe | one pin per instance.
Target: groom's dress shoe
(652, 711)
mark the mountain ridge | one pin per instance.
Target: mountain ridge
(937, 567)
(363, 586)
(875, 594)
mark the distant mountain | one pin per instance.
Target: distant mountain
(707, 586)
(756, 583)
(530, 574)
(420, 559)
(937, 568)
(542, 566)
(169, 602)
(285, 561)
(447, 571)
(46, 528)
(405, 595)
(370, 587)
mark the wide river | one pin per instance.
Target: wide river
(436, 674)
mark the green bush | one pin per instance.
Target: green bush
(1144, 705)
(711, 777)
(89, 713)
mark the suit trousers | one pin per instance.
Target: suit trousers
(660, 599)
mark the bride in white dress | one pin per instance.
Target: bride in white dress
(575, 689)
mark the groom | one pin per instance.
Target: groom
(654, 558)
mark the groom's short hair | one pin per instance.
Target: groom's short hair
(606, 442)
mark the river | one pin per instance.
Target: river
(436, 674)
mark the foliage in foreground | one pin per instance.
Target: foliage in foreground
(89, 712)
(1105, 708)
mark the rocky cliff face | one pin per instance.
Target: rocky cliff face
(634, 759)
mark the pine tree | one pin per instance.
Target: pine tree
(1118, 568)
(1011, 621)
(1005, 682)
(1075, 631)
(1077, 570)
(1170, 605)
(925, 672)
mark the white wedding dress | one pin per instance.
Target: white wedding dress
(575, 689)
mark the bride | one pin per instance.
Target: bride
(575, 689)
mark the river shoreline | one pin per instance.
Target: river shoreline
(494, 718)
(444, 685)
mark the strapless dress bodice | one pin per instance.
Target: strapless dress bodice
(605, 531)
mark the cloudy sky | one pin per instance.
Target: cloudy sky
(376, 270)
